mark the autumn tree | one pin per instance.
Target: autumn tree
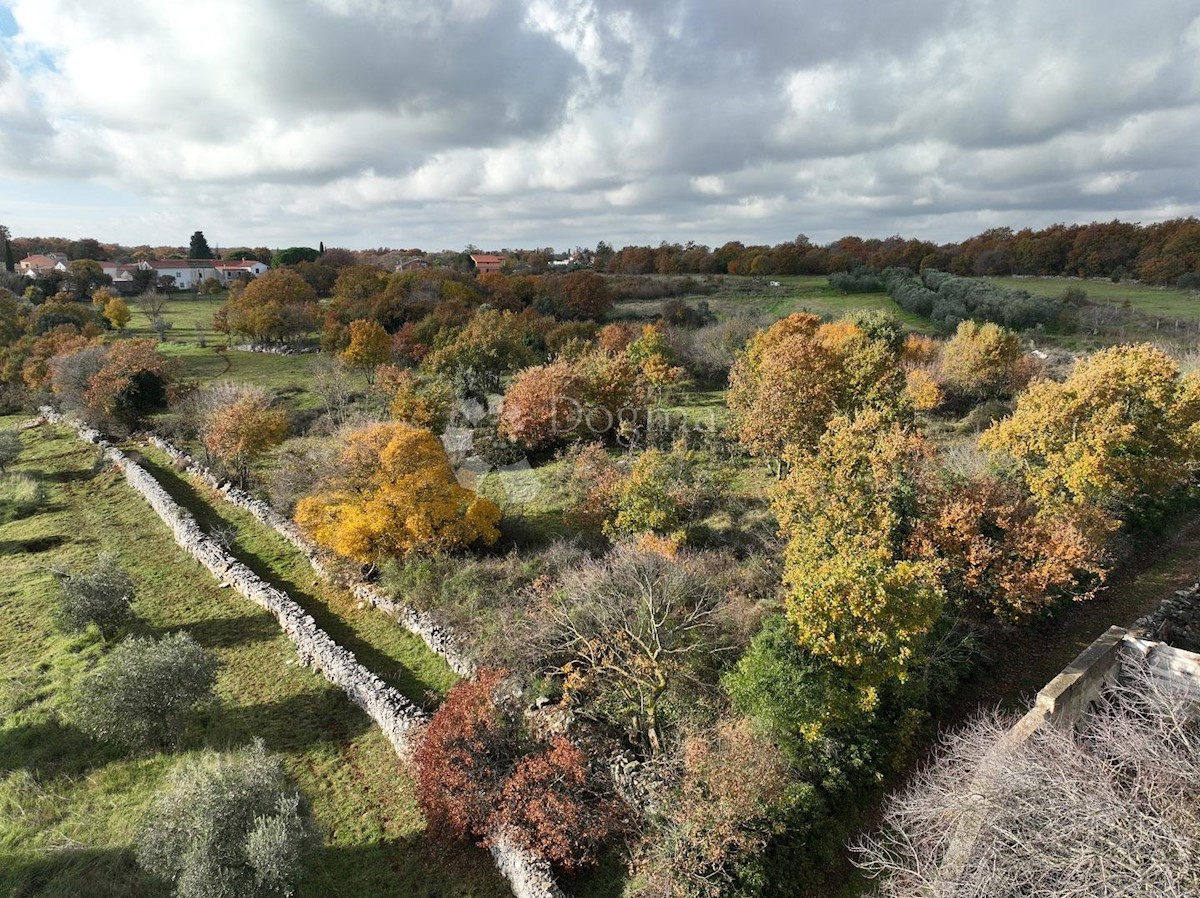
(421, 402)
(276, 307)
(594, 396)
(130, 384)
(984, 361)
(1001, 554)
(1121, 431)
(796, 375)
(466, 754)
(241, 427)
(639, 629)
(476, 780)
(853, 596)
(370, 346)
(395, 493)
(116, 312)
(552, 805)
(664, 493)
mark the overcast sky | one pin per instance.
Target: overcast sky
(504, 123)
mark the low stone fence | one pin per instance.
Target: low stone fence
(1176, 621)
(528, 875)
(394, 714)
(439, 639)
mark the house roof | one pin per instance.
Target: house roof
(485, 257)
(239, 263)
(182, 263)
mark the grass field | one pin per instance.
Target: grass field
(204, 355)
(69, 807)
(794, 294)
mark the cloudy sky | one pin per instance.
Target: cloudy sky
(438, 123)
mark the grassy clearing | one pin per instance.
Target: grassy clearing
(794, 294)
(69, 807)
(205, 357)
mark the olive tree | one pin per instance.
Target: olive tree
(100, 595)
(228, 825)
(141, 695)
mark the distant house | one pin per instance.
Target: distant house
(486, 263)
(36, 265)
(228, 272)
(188, 274)
(411, 263)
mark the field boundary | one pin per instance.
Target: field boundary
(441, 640)
(529, 876)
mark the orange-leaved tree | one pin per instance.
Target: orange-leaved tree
(1002, 554)
(395, 493)
(130, 384)
(240, 432)
(798, 373)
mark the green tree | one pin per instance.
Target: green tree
(100, 595)
(10, 262)
(228, 824)
(294, 254)
(198, 248)
(853, 597)
(142, 693)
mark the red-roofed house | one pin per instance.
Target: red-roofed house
(228, 272)
(485, 263)
(32, 266)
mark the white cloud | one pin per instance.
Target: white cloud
(536, 121)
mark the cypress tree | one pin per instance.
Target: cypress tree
(10, 263)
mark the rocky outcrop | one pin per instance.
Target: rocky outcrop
(439, 639)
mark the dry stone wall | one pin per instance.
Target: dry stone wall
(394, 714)
(528, 875)
(439, 639)
(1176, 621)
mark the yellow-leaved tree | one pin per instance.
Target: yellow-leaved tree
(370, 346)
(395, 493)
(1122, 430)
(241, 430)
(798, 373)
(853, 596)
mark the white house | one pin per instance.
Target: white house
(33, 266)
(228, 272)
(188, 273)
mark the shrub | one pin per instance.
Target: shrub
(664, 493)
(552, 806)
(228, 824)
(474, 780)
(464, 757)
(984, 361)
(242, 428)
(10, 447)
(141, 694)
(101, 595)
(394, 493)
(19, 495)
